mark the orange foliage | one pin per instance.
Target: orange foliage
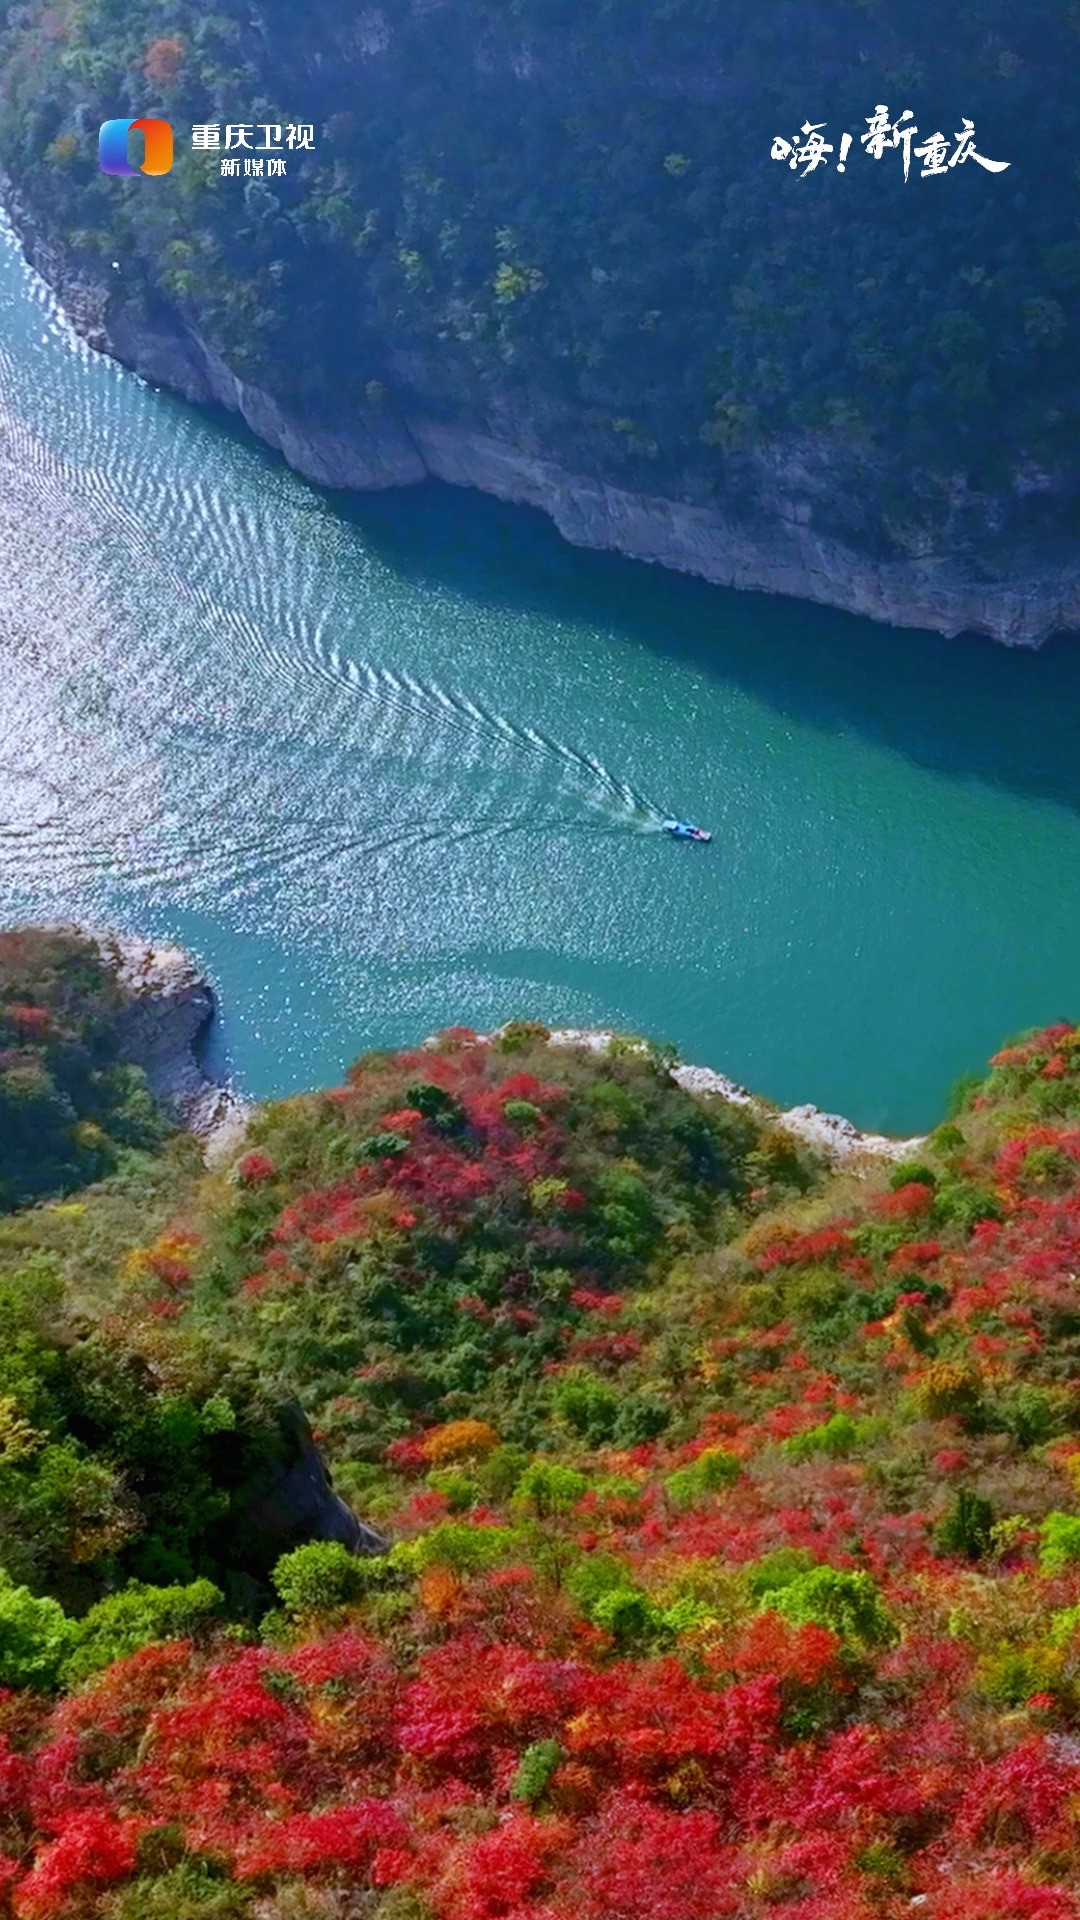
(459, 1440)
(163, 61)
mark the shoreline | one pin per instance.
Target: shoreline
(772, 547)
(172, 1003)
(161, 1028)
(831, 1134)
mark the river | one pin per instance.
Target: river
(387, 764)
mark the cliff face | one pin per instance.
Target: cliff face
(767, 538)
(298, 1503)
(543, 250)
(169, 1005)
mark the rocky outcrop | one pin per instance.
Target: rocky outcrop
(829, 1134)
(769, 537)
(169, 1004)
(298, 1502)
(781, 554)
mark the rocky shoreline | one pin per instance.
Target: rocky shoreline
(170, 1004)
(169, 1007)
(774, 547)
(830, 1134)
(839, 1140)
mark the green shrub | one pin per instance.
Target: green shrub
(627, 1214)
(628, 1614)
(464, 1548)
(1034, 1415)
(836, 1437)
(535, 1769)
(882, 1862)
(713, 1470)
(963, 1203)
(912, 1172)
(36, 1638)
(777, 1570)
(546, 1487)
(501, 1472)
(458, 1489)
(126, 1621)
(1009, 1678)
(641, 1417)
(1064, 1625)
(1060, 1542)
(316, 1578)
(615, 1109)
(947, 1139)
(194, 1889)
(967, 1528)
(384, 1146)
(587, 1404)
(846, 1602)
(605, 1591)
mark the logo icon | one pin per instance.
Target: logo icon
(157, 146)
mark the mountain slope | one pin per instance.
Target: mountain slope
(545, 251)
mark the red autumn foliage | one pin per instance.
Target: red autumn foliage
(255, 1169)
(31, 1023)
(909, 1202)
(93, 1850)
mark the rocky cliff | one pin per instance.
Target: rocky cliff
(546, 251)
(779, 546)
(169, 1005)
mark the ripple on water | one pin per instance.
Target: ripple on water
(402, 765)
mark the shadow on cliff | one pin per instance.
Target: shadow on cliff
(966, 707)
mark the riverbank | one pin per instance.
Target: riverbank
(768, 537)
(830, 1134)
(172, 1004)
(169, 1006)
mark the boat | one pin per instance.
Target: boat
(683, 830)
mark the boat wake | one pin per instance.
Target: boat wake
(210, 713)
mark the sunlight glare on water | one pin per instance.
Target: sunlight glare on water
(391, 764)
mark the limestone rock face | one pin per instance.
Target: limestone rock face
(169, 1007)
(791, 522)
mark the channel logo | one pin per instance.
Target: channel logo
(157, 146)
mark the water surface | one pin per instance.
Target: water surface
(390, 764)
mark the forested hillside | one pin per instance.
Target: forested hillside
(561, 224)
(730, 1555)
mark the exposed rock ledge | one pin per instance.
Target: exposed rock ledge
(840, 1140)
(171, 1005)
(1019, 602)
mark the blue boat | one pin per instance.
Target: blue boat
(682, 830)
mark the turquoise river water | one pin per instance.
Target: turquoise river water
(394, 763)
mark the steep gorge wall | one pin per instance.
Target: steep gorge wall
(772, 545)
(541, 250)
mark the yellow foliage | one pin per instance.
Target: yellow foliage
(1071, 1466)
(62, 149)
(948, 1386)
(18, 1439)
